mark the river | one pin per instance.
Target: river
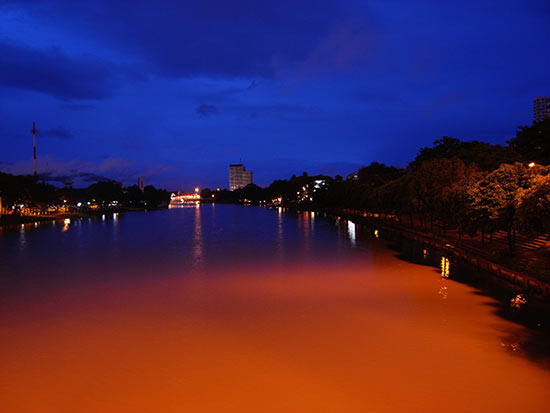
(225, 308)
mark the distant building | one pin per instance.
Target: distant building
(141, 183)
(541, 108)
(239, 177)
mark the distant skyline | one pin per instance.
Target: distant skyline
(176, 91)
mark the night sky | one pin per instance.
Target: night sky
(177, 90)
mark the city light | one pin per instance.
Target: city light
(197, 189)
(532, 164)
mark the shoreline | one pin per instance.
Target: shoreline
(13, 220)
(527, 284)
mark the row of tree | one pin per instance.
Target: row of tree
(475, 187)
(29, 191)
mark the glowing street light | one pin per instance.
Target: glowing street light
(197, 189)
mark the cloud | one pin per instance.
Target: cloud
(53, 72)
(280, 110)
(75, 106)
(80, 171)
(72, 177)
(201, 37)
(58, 132)
(206, 110)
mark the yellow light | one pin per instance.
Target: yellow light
(517, 302)
(212, 195)
(197, 189)
(376, 233)
(531, 164)
(445, 267)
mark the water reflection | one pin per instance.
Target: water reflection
(351, 233)
(445, 267)
(280, 239)
(304, 222)
(517, 302)
(197, 237)
(240, 337)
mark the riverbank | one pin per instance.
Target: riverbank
(13, 220)
(527, 272)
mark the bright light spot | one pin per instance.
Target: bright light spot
(67, 221)
(36, 224)
(425, 253)
(531, 164)
(351, 232)
(517, 302)
(197, 189)
(445, 267)
(376, 234)
(79, 204)
(103, 217)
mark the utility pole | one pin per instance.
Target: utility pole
(34, 131)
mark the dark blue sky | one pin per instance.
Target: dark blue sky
(177, 90)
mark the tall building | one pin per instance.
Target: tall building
(239, 177)
(541, 108)
(141, 183)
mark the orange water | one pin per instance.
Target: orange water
(379, 335)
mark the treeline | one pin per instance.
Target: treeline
(473, 187)
(29, 191)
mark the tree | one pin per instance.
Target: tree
(494, 199)
(377, 174)
(532, 143)
(437, 189)
(533, 211)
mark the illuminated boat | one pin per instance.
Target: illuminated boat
(179, 199)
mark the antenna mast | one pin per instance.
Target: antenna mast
(34, 131)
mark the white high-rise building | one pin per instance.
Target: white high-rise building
(541, 108)
(239, 177)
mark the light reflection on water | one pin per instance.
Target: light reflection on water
(326, 327)
(197, 237)
(351, 233)
(445, 267)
